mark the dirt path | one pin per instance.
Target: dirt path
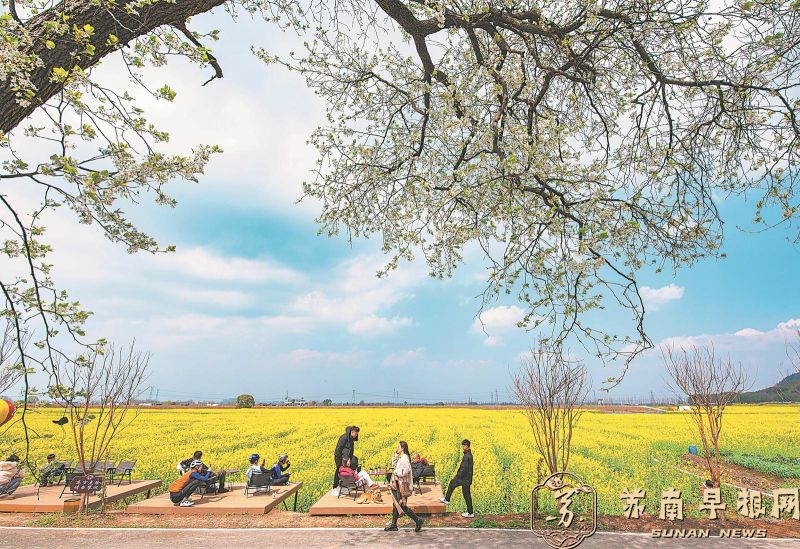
(741, 476)
(53, 538)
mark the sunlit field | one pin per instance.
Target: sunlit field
(610, 451)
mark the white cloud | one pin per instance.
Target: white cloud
(82, 254)
(356, 297)
(402, 358)
(162, 314)
(221, 298)
(261, 117)
(320, 357)
(761, 352)
(748, 332)
(378, 325)
(312, 359)
(169, 331)
(205, 264)
(744, 340)
(497, 319)
(654, 298)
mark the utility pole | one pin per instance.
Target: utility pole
(354, 396)
(156, 394)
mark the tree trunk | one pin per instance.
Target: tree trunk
(106, 19)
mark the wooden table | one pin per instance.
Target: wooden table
(382, 472)
(229, 473)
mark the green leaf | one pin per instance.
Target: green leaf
(60, 73)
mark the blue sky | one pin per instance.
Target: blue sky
(254, 301)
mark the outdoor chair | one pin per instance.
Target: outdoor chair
(57, 476)
(352, 486)
(91, 468)
(105, 468)
(68, 476)
(125, 468)
(258, 480)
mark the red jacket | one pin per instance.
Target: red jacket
(345, 471)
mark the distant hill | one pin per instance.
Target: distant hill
(786, 390)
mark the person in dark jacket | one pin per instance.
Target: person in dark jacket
(279, 477)
(463, 478)
(417, 466)
(188, 482)
(51, 469)
(184, 466)
(346, 444)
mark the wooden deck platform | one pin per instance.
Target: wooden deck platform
(233, 502)
(25, 500)
(427, 502)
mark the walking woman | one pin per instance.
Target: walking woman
(401, 487)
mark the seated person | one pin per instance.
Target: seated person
(417, 467)
(185, 465)
(187, 483)
(278, 476)
(256, 468)
(420, 467)
(51, 469)
(361, 477)
(11, 475)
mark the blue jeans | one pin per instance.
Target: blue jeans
(10, 486)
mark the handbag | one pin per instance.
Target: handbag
(405, 489)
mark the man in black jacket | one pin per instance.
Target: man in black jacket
(346, 443)
(185, 465)
(463, 478)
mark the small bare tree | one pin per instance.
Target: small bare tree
(10, 368)
(97, 391)
(550, 387)
(793, 352)
(710, 384)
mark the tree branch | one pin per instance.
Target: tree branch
(106, 19)
(181, 26)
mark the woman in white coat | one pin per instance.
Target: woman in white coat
(401, 484)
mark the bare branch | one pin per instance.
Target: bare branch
(550, 387)
(710, 384)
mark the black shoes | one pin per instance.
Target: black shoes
(393, 527)
(223, 490)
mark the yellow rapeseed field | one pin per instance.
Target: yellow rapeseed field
(610, 451)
